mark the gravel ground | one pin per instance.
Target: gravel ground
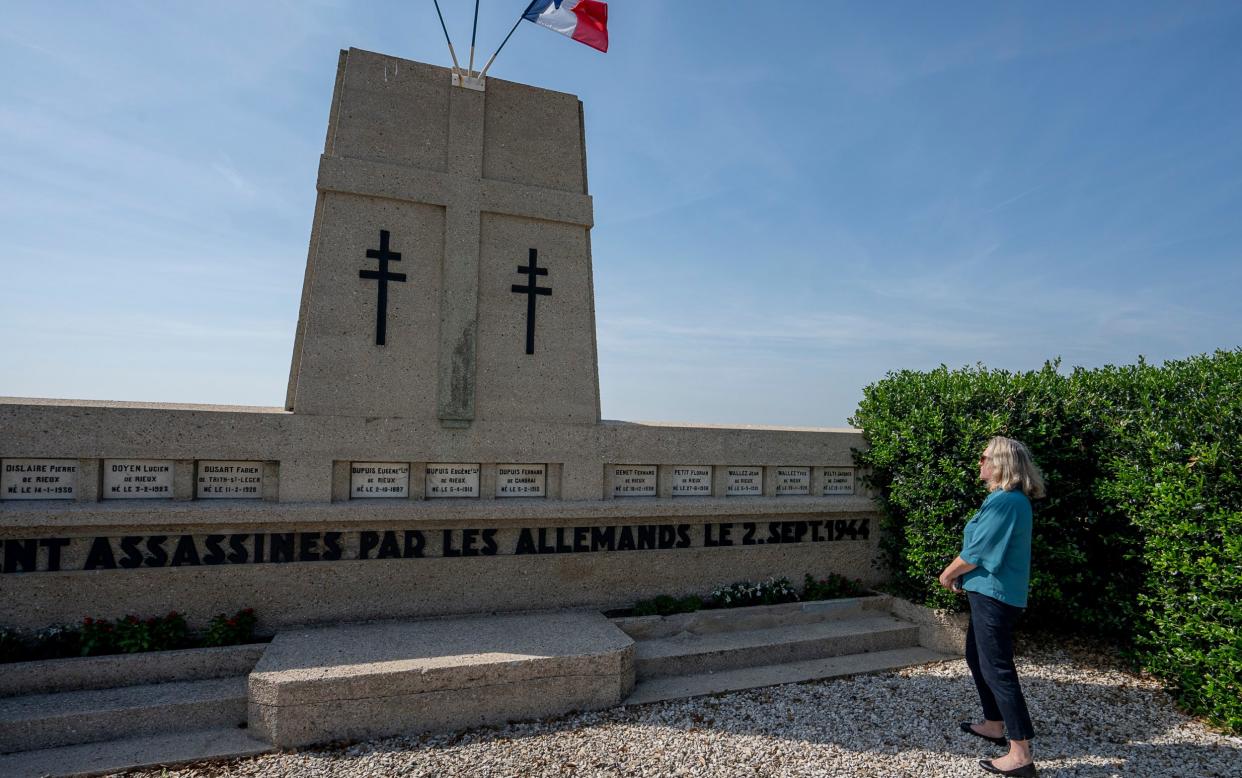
(1093, 719)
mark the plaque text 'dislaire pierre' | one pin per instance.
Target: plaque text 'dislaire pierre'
(38, 479)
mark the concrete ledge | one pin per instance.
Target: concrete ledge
(939, 630)
(376, 680)
(106, 672)
(754, 617)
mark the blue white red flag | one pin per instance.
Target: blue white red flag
(586, 21)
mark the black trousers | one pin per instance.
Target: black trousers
(989, 654)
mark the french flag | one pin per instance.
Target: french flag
(586, 21)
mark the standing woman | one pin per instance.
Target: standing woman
(994, 569)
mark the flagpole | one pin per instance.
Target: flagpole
(502, 44)
(473, 35)
(453, 54)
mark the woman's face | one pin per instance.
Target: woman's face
(986, 473)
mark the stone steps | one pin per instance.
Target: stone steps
(700, 684)
(43, 721)
(133, 753)
(690, 654)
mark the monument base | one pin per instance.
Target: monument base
(365, 681)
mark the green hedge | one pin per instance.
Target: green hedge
(1139, 539)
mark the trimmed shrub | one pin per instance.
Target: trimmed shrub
(1140, 538)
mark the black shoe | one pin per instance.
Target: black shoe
(969, 730)
(1025, 771)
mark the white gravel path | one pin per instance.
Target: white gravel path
(1092, 720)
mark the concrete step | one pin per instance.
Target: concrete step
(696, 685)
(756, 617)
(133, 753)
(692, 654)
(40, 721)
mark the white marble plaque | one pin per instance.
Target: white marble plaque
(379, 480)
(692, 481)
(521, 480)
(838, 480)
(793, 480)
(137, 479)
(38, 479)
(743, 481)
(226, 479)
(634, 481)
(447, 480)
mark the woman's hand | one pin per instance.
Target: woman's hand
(950, 582)
(950, 577)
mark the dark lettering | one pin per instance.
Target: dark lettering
(749, 538)
(489, 542)
(21, 553)
(446, 544)
(367, 541)
(215, 554)
(646, 537)
(53, 546)
(237, 549)
(100, 555)
(561, 546)
(626, 542)
(525, 543)
(725, 531)
(331, 546)
(414, 544)
(580, 539)
(683, 536)
(260, 540)
(156, 555)
(468, 539)
(774, 532)
(668, 536)
(308, 547)
(544, 548)
(133, 554)
(603, 537)
(389, 547)
(186, 553)
(815, 536)
(839, 526)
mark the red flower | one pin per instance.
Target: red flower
(231, 622)
(88, 621)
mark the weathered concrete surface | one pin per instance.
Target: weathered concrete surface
(938, 630)
(107, 672)
(374, 680)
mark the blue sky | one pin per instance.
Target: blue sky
(788, 205)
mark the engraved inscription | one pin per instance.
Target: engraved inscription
(521, 480)
(634, 481)
(138, 479)
(452, 480)
(793, 480)
(743, 481)
(225, 479)
(692, 481)
(38, 479)
(379, 480)
(838, 480)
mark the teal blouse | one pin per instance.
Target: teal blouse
(998, 539)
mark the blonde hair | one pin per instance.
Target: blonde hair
(1013, 468)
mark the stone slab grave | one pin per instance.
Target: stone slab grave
(440, 451)
(373, 680)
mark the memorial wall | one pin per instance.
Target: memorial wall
(441, 448)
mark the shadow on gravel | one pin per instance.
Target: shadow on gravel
(1084, 729)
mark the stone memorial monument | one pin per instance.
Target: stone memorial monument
(440, 450)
